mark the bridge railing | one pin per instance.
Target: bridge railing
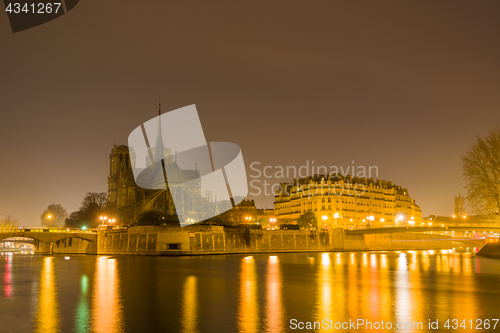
(57, 230)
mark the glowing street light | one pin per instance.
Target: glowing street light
(103, 219)
(324, 217)
(49, 217)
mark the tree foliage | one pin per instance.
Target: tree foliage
(7, 221)
(57, 216)
(481, 171)
(308, 220)
(93, 206)
(155, 218)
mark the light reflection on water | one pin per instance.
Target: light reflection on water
(253, 293)
(248, 307)
(189, 305)
(47, 318)
(274, 312)
(107, 314)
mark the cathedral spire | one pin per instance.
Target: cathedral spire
(159, 140)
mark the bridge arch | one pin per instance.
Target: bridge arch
(58, 242)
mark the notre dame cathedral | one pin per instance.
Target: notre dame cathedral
(127, 199)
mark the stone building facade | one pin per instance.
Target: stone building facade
(460, 207)
(347, 202)
(126, 199)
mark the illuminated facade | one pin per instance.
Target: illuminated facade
(128, 199)
(460, 207)
(343, 201)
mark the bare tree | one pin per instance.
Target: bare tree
(53, 216)
(7, 221)
(481, 171)
(95, 199)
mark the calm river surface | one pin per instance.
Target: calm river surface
(247, 293)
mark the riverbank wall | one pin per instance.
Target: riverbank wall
(490, 250)
(201, 240)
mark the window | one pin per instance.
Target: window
(171, 246)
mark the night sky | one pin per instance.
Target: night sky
(404, 86)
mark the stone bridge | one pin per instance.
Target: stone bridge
(44, 239)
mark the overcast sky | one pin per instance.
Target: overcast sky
(404, 86)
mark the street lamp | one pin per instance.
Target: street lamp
(49, 217)
(103, 219)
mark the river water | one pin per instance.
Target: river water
(247, 293)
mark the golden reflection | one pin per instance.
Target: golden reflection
(403, 299)
(467, 264)
(324, 303)
(439, 264)
(373, 260)
(370, 288)
(385, 287)
(468, 305)
(189, 305)
(365, 259)
(47, 318)
(426, 262)
(339, 289)
(383, 261)
(353, 283)
(107, 309)
(325, 259)
(274, 302)
(338, 261)
(248, 308)
(445, 261)
(413, 262)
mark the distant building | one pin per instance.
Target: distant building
(460, 206)
(245, 212)
(343, 201)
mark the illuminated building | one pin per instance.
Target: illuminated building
(128, 199)
(460, 206)
(343, 201)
